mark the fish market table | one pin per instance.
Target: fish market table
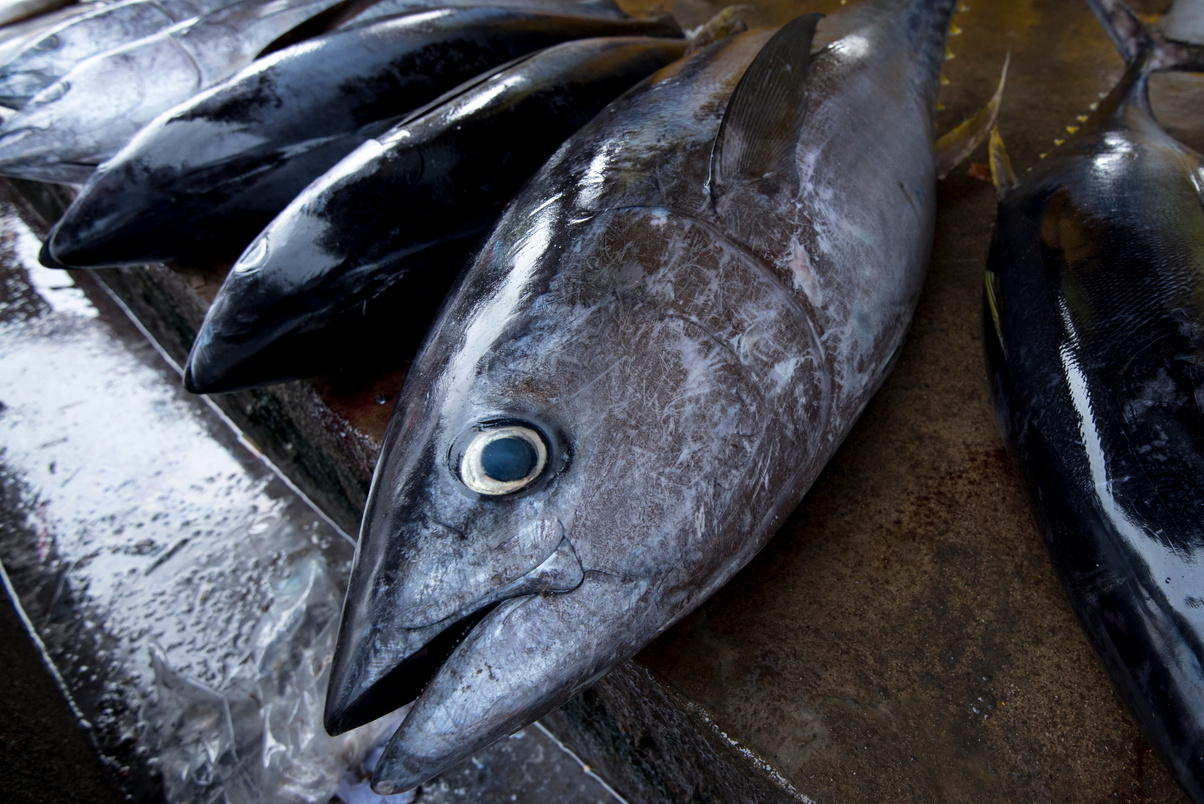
(904, 636)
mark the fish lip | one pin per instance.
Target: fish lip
(350, 703)
(405, 681)
(46, 255)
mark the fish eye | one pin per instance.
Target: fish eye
(254, 257)
(54, 92)
(502, 459)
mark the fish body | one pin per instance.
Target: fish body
(16, 10)
(203, 179)
(576, 8)
(414, 200)
(84, 118)
(670, 331)
(52, 54)
(1095, 346)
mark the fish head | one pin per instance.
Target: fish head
(585, 449)
(18, 87)
(89, 114)
(125, 215)
(294, 300)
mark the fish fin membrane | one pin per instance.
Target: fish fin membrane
(954, 146)
(1002, 175)
(761, 125)
(1141, 44)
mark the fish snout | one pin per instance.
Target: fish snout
(525, 658)
(389, 647)
(46, 258)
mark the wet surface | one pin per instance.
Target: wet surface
(186, 595)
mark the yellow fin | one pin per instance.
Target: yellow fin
(1002, 175)
(954, 146)
(728, 22)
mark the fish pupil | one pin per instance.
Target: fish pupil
(508, 459)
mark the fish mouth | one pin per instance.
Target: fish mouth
(405, 681)
(379, 667)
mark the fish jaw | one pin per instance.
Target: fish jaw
(496, 682)
(394, 666)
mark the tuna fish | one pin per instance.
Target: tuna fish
(84, 118)
(52, 55)
(413, 201)
(669, 333)
(1095, 345)
(203, 179)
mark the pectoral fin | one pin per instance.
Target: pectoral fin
(954, 146)
(760, 128)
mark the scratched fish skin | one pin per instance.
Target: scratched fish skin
(413, 200)
(671, 330)
(1095, 348)
(203, 179)
(84, 118)
(52, 55)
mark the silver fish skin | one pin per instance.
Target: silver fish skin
(87, 116)
(576, 8)
(14, 10)
(688, 308)
(52, 55)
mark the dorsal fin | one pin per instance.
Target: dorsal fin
(760, 127)
(1142, 45)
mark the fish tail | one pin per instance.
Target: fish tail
(1141, 44)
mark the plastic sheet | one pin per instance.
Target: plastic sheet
(186, 597)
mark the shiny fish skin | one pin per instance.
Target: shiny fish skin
(52, 55)
(577, 8)
(88, 115)
(203, 179)
(1095, 347)
(689, 357)
(414, 200)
